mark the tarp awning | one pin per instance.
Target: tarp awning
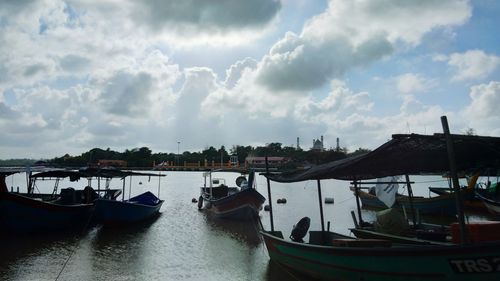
(409, 154)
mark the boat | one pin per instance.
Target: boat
(329, 256)
(392, 225)
(443, 204)
(471, 200)
(30, 213)
(139, 208)
(491, 200)
(239, 203)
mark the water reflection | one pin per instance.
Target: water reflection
(243, 231)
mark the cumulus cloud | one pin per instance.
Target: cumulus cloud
(410, 83)
(206, 16)
(482, 113)
(350, 34)
(6, 112)
(473, 64)
(485, 100)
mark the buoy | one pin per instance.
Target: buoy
(267, 208)
(281, 201)
(194, 200)
(328, 200)
(300, 229)
(200, 202)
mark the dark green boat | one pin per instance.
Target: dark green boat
(331, 256)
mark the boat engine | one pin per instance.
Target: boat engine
(300, 229)
(200, 202)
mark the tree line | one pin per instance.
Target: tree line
(144, 157)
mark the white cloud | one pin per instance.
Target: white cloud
(350, 34)
(473, 64)
(485, 101)
(409, 83)
(482, 113)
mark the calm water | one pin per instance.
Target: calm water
(182, 243)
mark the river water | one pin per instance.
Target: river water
(183, 243)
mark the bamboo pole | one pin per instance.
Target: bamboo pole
(269, 196)
(321, 206)
(358, 205)
(412, 206)
(454, 176)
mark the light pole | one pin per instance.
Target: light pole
(178, 155)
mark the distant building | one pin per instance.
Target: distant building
(260, 162)
(318, 145)
(111, 163)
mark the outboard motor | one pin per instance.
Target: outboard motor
(300, 229)
(200, 202)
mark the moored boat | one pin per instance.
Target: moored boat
(240, 203)
(135, 209)
(27, 213)
(443, 204)
(123, 212)
(491, 200)
(328, 256)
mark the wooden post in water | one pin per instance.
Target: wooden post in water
(321, 207)
(159, 184)
(412, 206)
(454, 176)
(356, 190)
(269, 195)
(123, 190)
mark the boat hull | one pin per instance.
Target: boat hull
(112, 212)
(23, 214)
(478, 262)
(242, 205)
(442, 204)
(491, 202)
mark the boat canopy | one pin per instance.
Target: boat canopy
(7, 171)
(75, 175)
(408, 154)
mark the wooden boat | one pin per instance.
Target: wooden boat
(442, 204)
(139, 208)
(240, 203)
(471, 201)
(361, 259)
(135, 209)
(26, 213)
(328, 256)
(491, 200)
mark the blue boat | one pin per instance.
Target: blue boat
(136, 209)
(109, 211)
(30, 213)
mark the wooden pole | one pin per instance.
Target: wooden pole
(123, 190)
(159, 184)
(358, 205)
(456, 186)
(321, 207)
(410, 196)
(269, 195)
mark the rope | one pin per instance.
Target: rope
(85, 227)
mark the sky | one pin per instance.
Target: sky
(169, 75)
